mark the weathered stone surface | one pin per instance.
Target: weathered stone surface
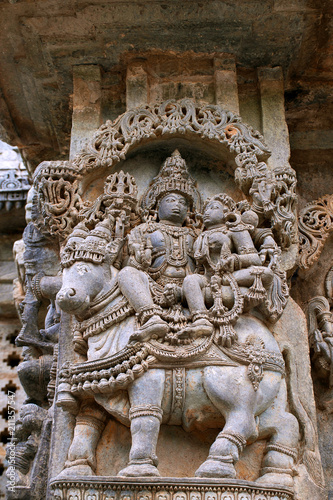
(166, 349)
(46, 40)
(127, 55)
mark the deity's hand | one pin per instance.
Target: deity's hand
(226, 265)
(269, 255)
(323, 346)
(146, 254)
(119, 227)
(172, 294)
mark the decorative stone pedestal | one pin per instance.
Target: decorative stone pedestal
(115, 488)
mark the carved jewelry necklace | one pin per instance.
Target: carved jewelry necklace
(176, 247)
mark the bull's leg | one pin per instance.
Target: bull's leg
(90, 424)
(145, 396)
(225, 451)
(236, 402)
(281, 449)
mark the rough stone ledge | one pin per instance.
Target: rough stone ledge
(116, 488)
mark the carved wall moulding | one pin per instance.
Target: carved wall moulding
(13, 190)
(273, 192)
(315, 224)
(185, 489)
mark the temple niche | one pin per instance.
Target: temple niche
(174, 361)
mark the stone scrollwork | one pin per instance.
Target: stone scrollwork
(273, 192)
(315, 225)
(114, 140)
(58, 199)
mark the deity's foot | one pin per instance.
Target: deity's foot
(216, 468)
(76, 471)
(275, 479)
(155, 327)
(201, 327)
(139, 470)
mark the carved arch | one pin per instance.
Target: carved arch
(272, 192)
(222, 129)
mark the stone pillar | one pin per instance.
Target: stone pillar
(136, 85)
(225, 77)
(274, 124)
(87, 96)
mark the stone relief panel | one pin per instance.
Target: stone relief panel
(273, 192)
(175, 311)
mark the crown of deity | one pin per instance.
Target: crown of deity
(172, 178)
(120, 192)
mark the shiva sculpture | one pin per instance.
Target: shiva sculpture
(175, 295)
(157, 320)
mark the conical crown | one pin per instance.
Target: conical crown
(173, 178)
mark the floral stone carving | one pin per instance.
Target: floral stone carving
(315, 225)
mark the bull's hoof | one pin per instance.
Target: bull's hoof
(274, 479)
(216, 468)
(139, 470)
(75, 471)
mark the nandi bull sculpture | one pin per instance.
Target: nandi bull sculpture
(175, 300)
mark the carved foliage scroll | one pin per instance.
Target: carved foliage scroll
(315, 225)
(272, 192)
(58, 198)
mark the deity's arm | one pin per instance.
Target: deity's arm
(200, 248)
(266, 245)
(246, 254)
(139, 248)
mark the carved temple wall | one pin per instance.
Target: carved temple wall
(229, 127)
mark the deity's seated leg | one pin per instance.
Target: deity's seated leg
(134, 284)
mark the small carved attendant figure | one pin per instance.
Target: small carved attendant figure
(161, 251)
(27, 433)
(227, 253)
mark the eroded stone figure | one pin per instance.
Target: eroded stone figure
(183, 305)
(27, 434)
